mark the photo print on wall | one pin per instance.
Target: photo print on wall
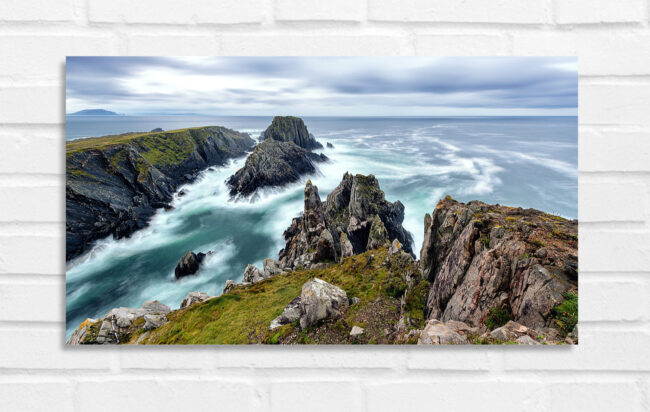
(321, 200)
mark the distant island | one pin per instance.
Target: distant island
(93, 112)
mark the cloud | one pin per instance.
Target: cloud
(324, 85)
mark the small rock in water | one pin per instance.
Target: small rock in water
(330, 145)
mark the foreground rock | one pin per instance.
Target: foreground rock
(318, 301)
(290, 129)
(481, 257)
(354, 218)
(273, 163)
(439, 333)
(119, 323)
(189, 264)
(114, 184)
(194, 297)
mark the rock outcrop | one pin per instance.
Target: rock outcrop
(194, 297)
(117, 325)
(318, 301)
(354, 218)
(483, 257)
(114, 184)
(189, 264)
(273, 163)
(290, 129)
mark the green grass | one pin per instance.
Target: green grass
(496, 318)
(243, 316)
(566, 313)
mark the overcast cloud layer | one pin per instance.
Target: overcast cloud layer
(324, 86)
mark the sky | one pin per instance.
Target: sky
(325, 86)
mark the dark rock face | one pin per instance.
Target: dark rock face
(481, 257)
(114, 189)
(342, 225)
(157, 129)
(189, 264)
(330, 145)
(291, 129)
(273, 163)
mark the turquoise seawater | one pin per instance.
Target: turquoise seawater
(516, 161)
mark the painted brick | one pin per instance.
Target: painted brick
(616, 200)
(321, 396)
(17, 254)
(33, 302)
(614, 151)
(37, 10)
(614, 103)
(473, 11)
(171, 12)
(461, 45)
(599, 11)
(27, 396)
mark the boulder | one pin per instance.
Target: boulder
(229, 286)
(290, 314)
(319, 301)
(438, 333)
(154, 321)
(272, 267)
(189, 264)
(330, 145)
(356, 331)
(512, 331)
(527, 340)
(194, 297)
(252, 274)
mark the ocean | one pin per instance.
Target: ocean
(515, 161)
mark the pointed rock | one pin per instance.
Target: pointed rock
(378, 236)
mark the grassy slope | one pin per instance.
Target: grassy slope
(243, 316)
(157, 148)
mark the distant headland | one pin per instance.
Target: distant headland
(93, 112)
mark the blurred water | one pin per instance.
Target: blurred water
(528, 162)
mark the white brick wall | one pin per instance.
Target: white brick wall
(610, 370)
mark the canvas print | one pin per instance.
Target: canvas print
(321, 200)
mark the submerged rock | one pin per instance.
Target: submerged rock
(189, 264)
(330, 145)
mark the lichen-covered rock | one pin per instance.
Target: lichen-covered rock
(116, 326)
(356, 331)
(320, 300)
(189, 264)
(252, 274)
(290, 314)
(194, 297)
(378, 235)
(481, 257)
(272, 267)
(440, 333)
(512, 331)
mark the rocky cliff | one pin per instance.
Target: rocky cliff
(487, 274)
(486, 259)
(115, 183)
(282, 157)
(354, 218)
(272, 164)
(290, 129)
